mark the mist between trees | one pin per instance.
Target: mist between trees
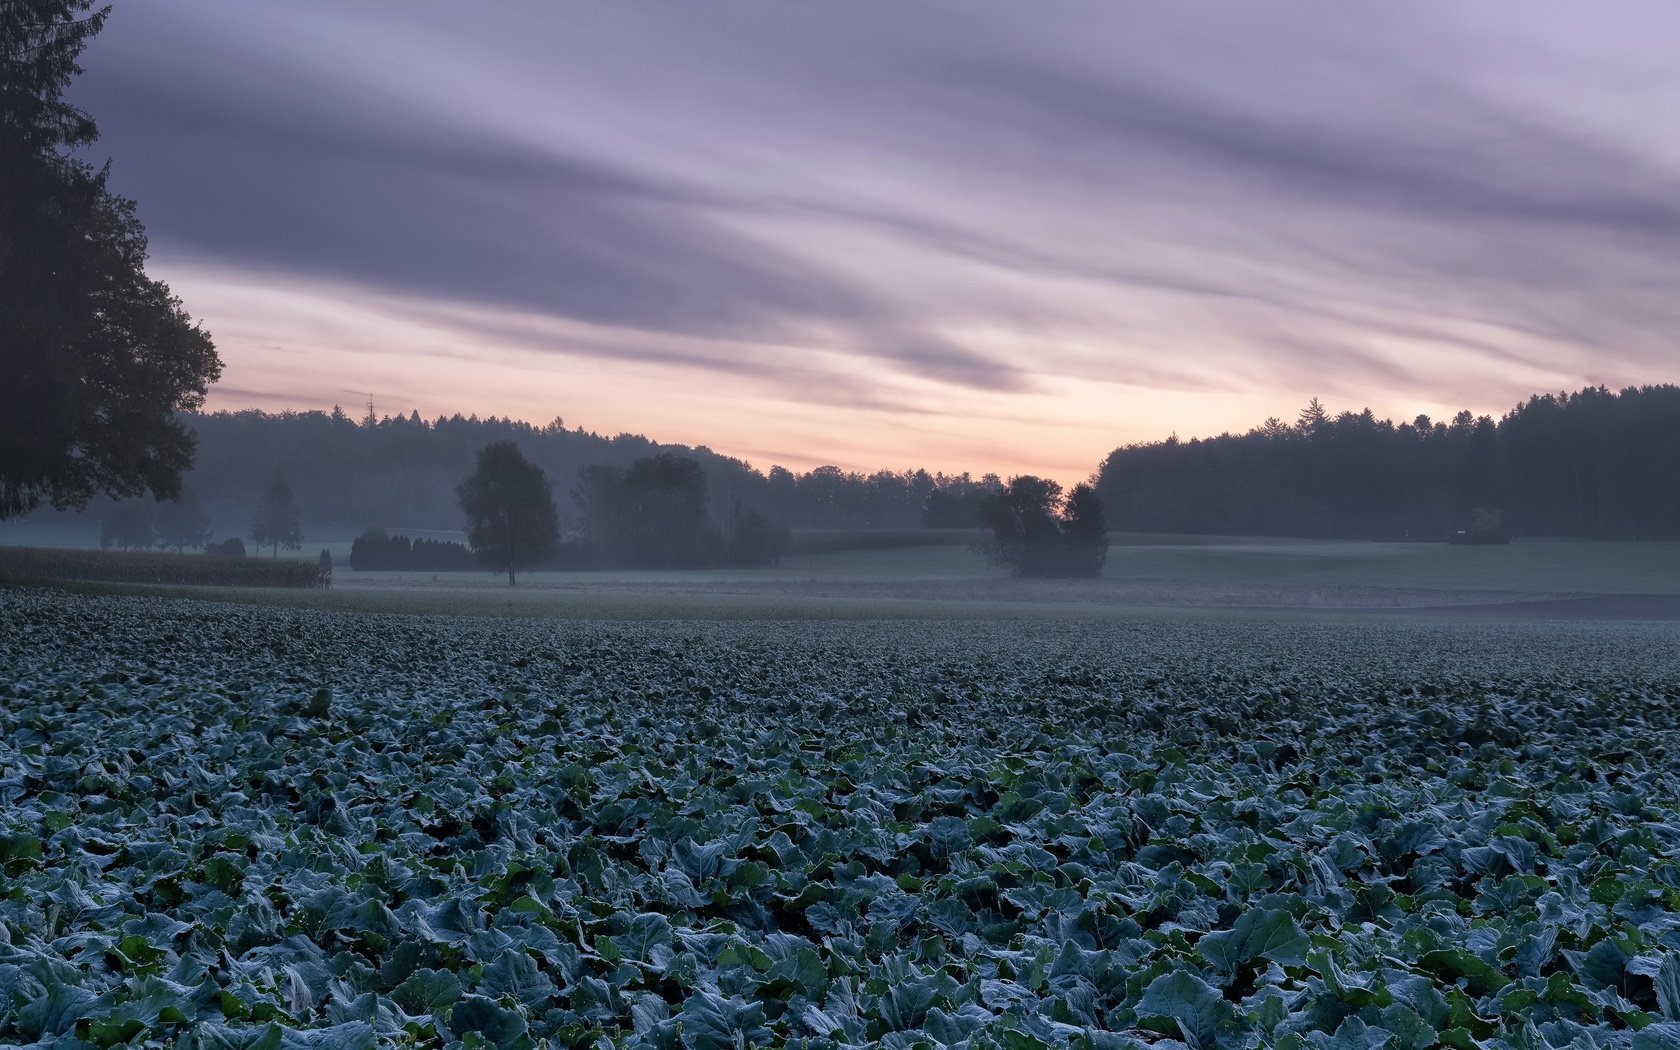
(1595, 463)
(400, 473)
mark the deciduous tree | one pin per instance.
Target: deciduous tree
(512, 522)
(98, 358)
(1035, 533)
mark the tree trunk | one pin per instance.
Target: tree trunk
(510, 576)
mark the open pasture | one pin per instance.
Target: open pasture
(1151, 580)
(246, 826)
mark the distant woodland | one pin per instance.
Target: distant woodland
(400, 473)
(1594, 463)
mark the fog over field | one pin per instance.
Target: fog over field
(908, 525)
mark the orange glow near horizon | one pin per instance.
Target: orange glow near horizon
(292, 346)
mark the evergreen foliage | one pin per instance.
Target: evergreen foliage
(1594, 464)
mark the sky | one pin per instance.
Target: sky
(964, 236)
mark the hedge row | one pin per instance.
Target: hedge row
(45, 563)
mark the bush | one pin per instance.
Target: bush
(375, 551)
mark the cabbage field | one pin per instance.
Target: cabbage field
(231, 826)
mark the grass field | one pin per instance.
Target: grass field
(1150, 565)
(1155, 580)
(1147, 575)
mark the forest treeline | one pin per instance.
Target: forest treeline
(1595, 463)
(400, 473)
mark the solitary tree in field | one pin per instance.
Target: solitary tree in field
(276, 521)
(183, 522)
(97, 357)
(512, 522)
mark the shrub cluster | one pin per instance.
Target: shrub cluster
(373, 550)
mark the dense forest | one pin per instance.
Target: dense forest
(400, 473)
(1594, 463)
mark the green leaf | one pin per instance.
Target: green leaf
(1353, 1034)
(1667, 982)
(487, 1018)
(1453, 964)
(647, 931)
(716, 1022)
(1602, 966)
(1664, 1035)
(1259, 933)
(514, 974)
(354, 1035)
(21, 846)
(427, 991)
(1408, 1030)
(1180, 1002)
(802, 971)
(647, 1011)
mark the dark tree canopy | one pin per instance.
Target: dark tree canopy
(1594, 463)
(652, 514)
(98, 357)
(512, 522)
(1084, 533)
(1035, 533)
(275, 523)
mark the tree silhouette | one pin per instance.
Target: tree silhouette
(652, 514)
(98, 357)
(512, 522)
(1035, 534)
(183, 522)
(1084, 533)
(276, 520)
